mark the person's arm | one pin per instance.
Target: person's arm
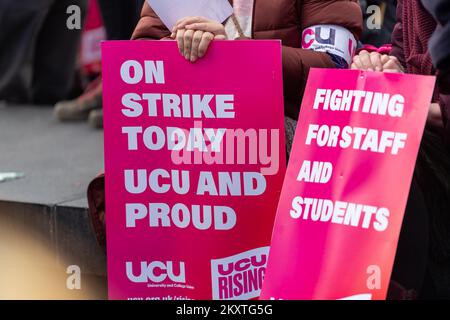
(150, 26)
(344, 13)
(192, 43)
(298, 61)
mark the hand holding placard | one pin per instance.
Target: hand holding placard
(170, 11)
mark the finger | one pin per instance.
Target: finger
(180, 40)
(181, 24)
(397, 62)
(354, 66)
(392, 67)
(196, 39)
(394, 58)
(389, 65)
(204, 44)
(365, 61)
(188, 43)
(393, 64)
(375, 59)
(384, 58)
(357, 63)
(391, 70)
(359, 59)
(176, 27)
(220, 37)
(204, 26)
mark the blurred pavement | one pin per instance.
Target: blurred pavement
(49, 202)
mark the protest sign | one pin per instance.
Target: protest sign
(93, 34)
(172, 11)
(346, 186)
(194, 161)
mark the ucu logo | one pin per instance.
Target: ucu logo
(157, 272)
(317, 34)
(333, 39)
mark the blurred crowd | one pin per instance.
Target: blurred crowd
(50, 52)
(41, 63)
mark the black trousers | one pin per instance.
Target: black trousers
(411, 259)
(37, 50)
(423, 256)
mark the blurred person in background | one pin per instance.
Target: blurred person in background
(379, 21)
(38, 50)
(119, 18)
(440, 41)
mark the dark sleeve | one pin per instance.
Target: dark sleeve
(440, 41)
(439, 9)
(296, 65)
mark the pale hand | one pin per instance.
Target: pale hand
(375, 61)
(195, 34)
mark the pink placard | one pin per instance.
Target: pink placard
(194, 160)
(346, 186)
(93, 34)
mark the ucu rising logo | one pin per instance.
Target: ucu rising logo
(239, 277)
(316, 35)
(157, 272)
